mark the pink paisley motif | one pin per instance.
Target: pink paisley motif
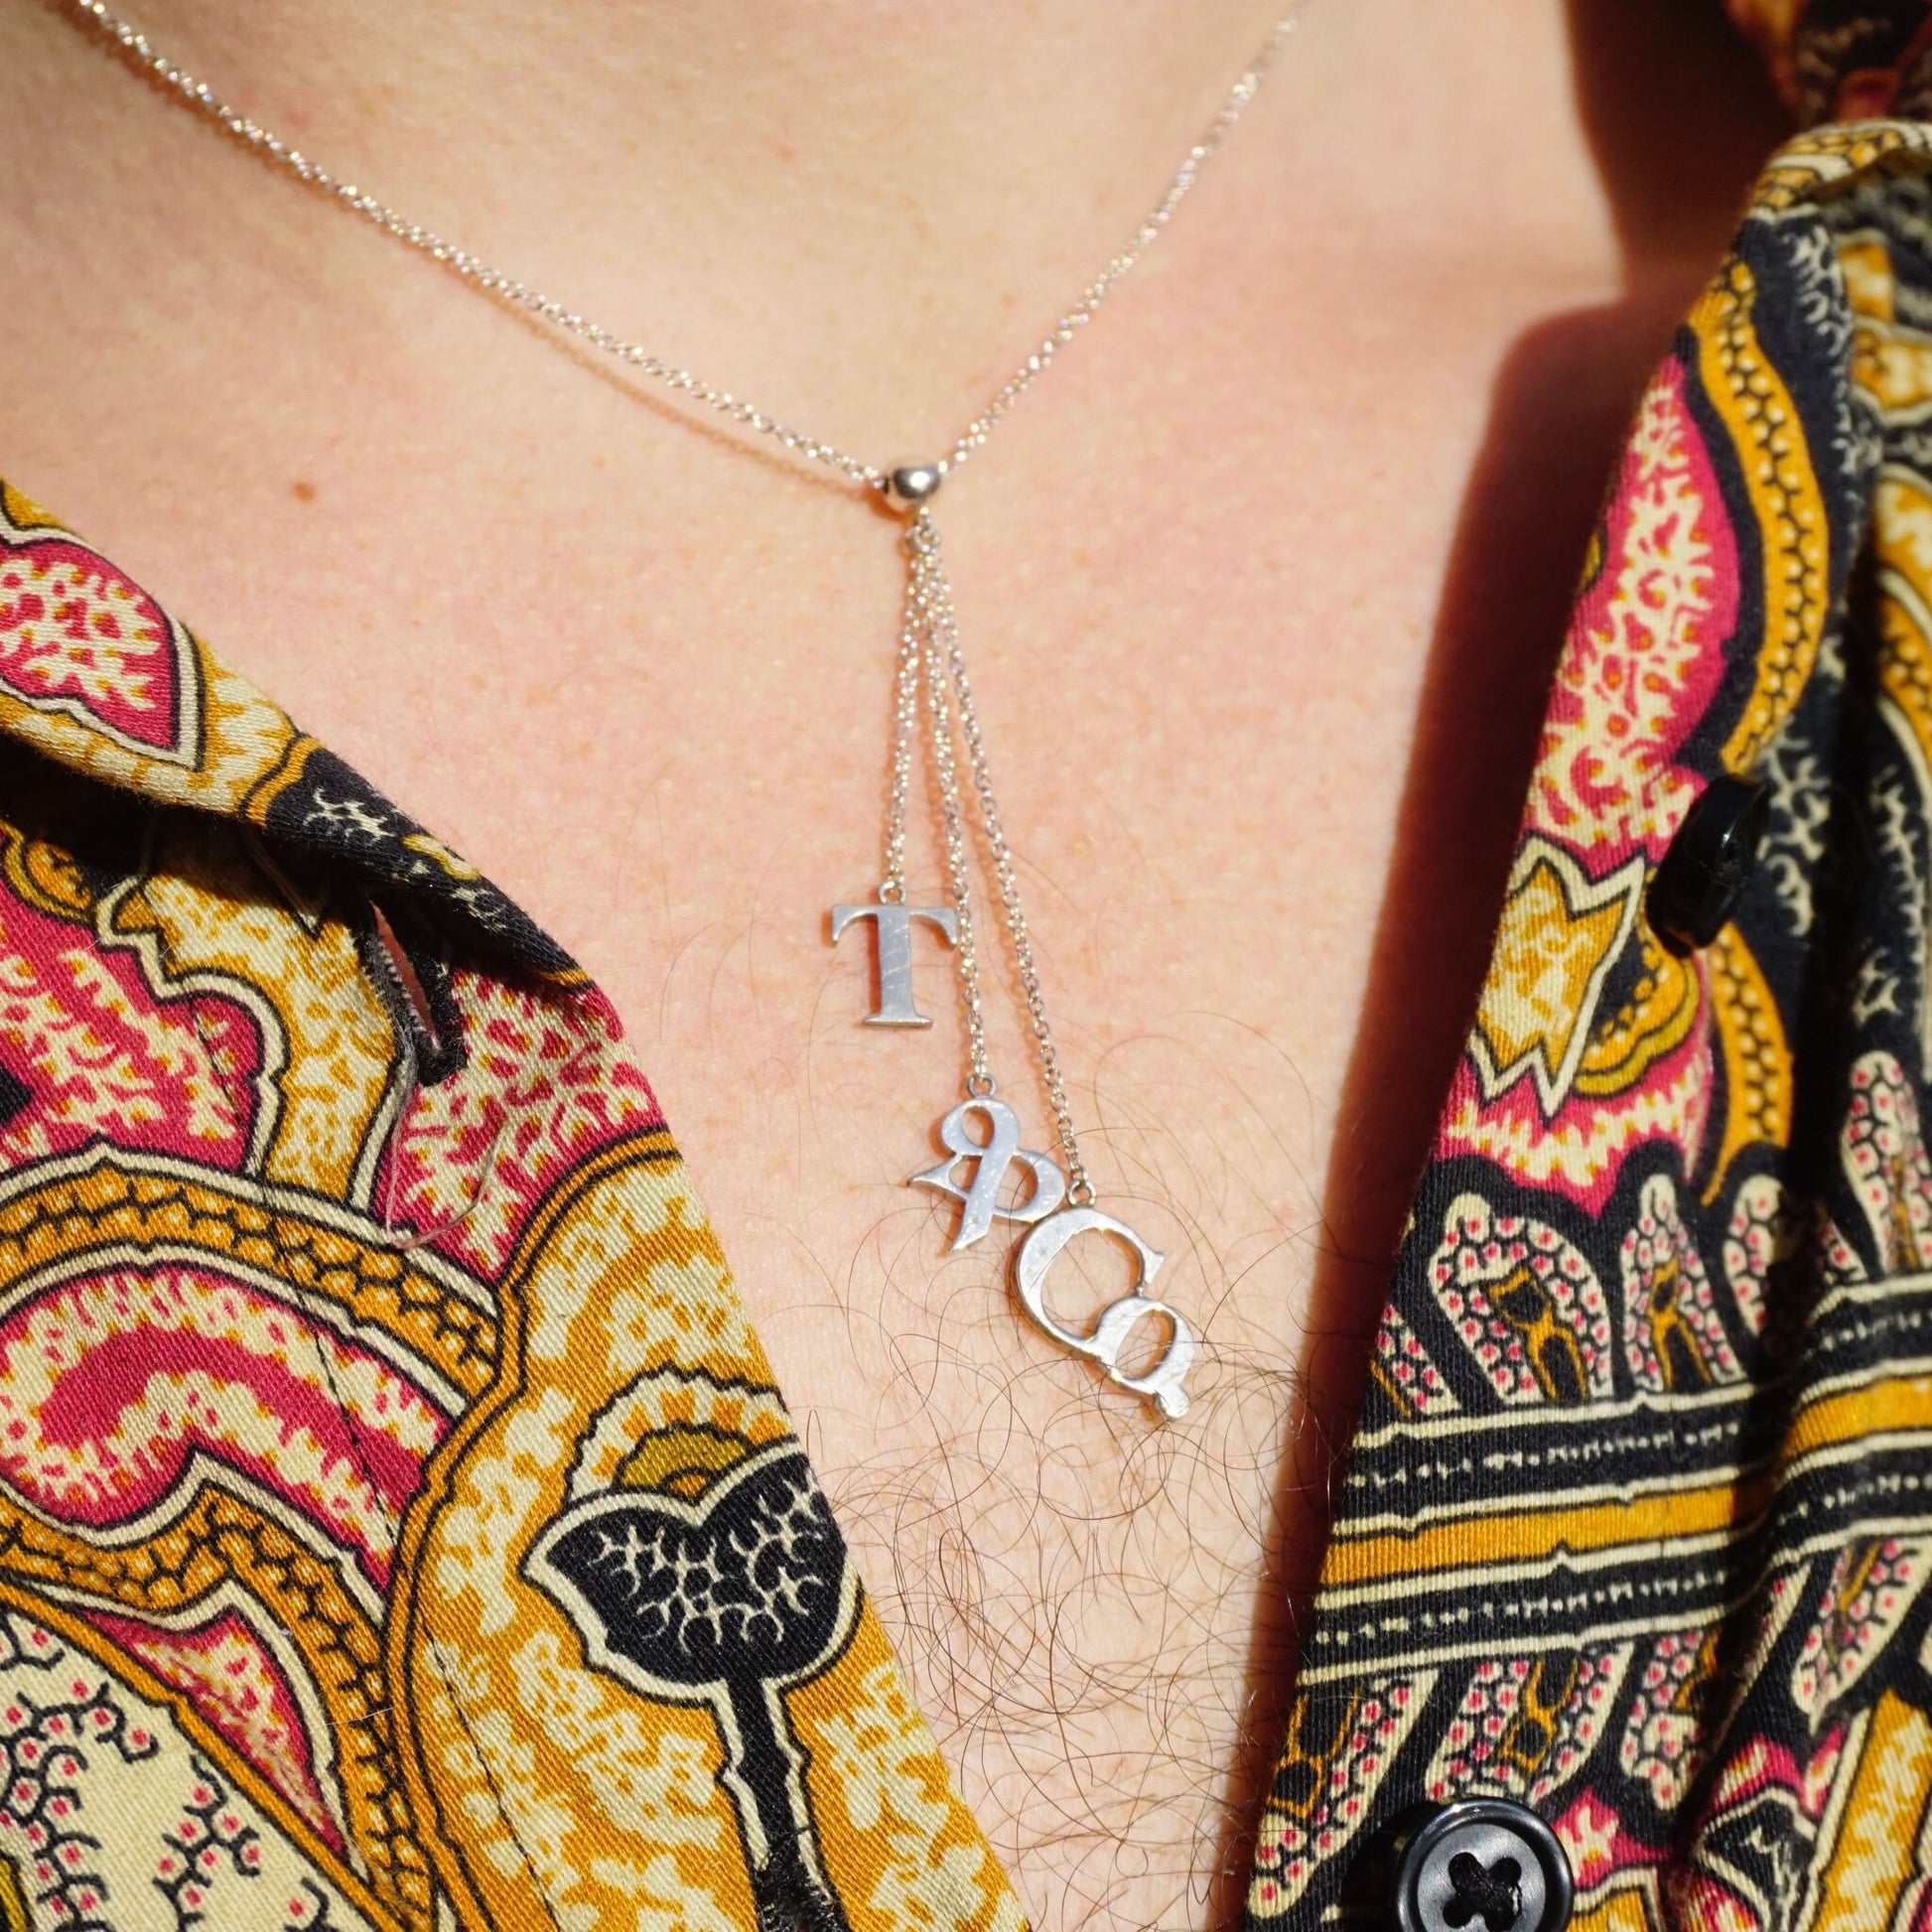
(1291, 1846)
(112, 1384)
(1479, 1251)
(1581, 1151)
(235, 1682)
(1640, 666)
(94, 1055)
(547, 1084)
(1696, 1894)
(77, 635)
(1645, 651)
(1599, 1843)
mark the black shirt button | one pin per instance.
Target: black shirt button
(1484, 1865)
(1697, 885)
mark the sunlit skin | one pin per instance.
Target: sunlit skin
(1260, 587)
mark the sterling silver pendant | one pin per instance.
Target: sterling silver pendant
(979, 1202)
(1162, 1383)
(1051, 1225)
(981, 1136)
(891, 925)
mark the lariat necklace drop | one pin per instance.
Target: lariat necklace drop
(982, 1133)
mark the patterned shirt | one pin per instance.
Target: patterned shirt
(399, 1528)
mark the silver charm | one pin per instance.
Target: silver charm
(1162, 1384)
(991, 1158)
(892, 924)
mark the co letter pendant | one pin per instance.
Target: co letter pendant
(1051, 1225)
(1163, 1381)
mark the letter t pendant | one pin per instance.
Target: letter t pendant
(891, 924)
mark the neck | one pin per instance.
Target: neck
(761, 188)
(697, 126)
(879, 104)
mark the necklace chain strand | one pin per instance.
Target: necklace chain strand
(695, 388)
(951, 693)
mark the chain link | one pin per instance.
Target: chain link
(905, 724)
(974, 435)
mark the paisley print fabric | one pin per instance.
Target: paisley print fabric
(398, 1526)
(1637, 1525)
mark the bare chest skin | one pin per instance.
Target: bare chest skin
(1259, 612)
(646, 684)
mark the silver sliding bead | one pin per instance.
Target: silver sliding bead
(913, 483)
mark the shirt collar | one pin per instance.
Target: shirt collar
(95, 675)
(1845, 60)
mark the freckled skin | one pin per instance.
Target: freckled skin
(645, 682)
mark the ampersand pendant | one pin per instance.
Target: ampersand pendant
(979, 1204)
(1163, 1383)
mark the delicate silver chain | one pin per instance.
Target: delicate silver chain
(1097, 291)
(506, 287)
(930, 651)
(905, 720)
(931, 618)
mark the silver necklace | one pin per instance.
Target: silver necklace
(981, 1131)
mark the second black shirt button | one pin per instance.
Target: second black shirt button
(1484, 1865)
(1698, 883)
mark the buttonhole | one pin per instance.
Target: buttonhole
(413, 982)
